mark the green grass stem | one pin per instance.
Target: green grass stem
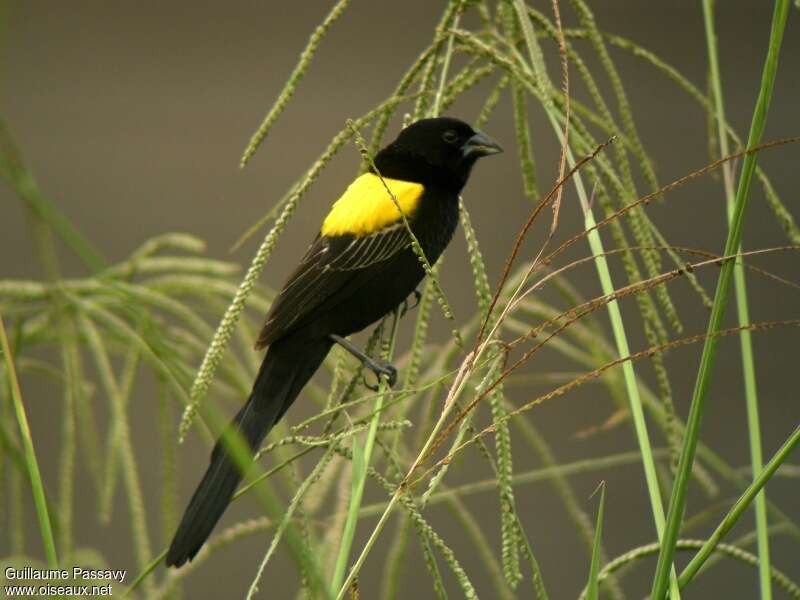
(740, 287)
(681, 484)
(593, 586)
(37, 487)
(734, 551)
(739, 507)
(361, 460)
(615, 316)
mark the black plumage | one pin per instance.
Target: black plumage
(344, 283)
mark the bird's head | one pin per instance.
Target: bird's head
(441, 150)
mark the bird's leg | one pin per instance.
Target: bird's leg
(377, 366)
(417, 296)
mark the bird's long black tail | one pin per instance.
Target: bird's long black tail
(286, 368)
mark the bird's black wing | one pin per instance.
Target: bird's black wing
(330, 264)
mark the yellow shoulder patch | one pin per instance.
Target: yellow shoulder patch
(366, 206)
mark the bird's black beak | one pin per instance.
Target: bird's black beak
(479, 145)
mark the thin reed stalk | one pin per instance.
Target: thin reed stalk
(31, 464)
(742, 311)
(692, 434)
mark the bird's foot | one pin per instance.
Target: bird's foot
(405, 307)
(380, 368)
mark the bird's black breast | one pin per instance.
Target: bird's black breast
(435, 221)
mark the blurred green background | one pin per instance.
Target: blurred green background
(133, 117)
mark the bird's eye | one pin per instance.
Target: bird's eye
(450, 136)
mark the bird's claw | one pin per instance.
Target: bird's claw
(381, 368)
(417, 297)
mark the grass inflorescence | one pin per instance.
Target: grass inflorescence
(405, 449)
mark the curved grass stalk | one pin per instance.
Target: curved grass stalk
(471, 527)
(745, 338)
(469, 76)
(72, 388)
(291, 84)
(122, 443)
(557, 474)
(169, 459)
(747, 539)
(642, 233)
(678, 498)
(739, 507)
(424, 529)
(615, 315)
(782, 214)
(729, 550)
(448, 55)
(360, 463)
(578, 467)
(312, 478)
(397, 494)
(45, 527)
(224, 538)
(594, 373)
(508, 516)
(629, 375)
(593, 586)
(491, 102)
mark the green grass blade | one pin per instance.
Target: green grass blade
(739, 507)
(151, 566)
(733, 551)
(745, 337)
(629, 375)
(361, 459)
(678, 499)
(30, 454)
(357, 479)
(615, 315)
(594, 585)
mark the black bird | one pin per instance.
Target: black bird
(359, 268)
